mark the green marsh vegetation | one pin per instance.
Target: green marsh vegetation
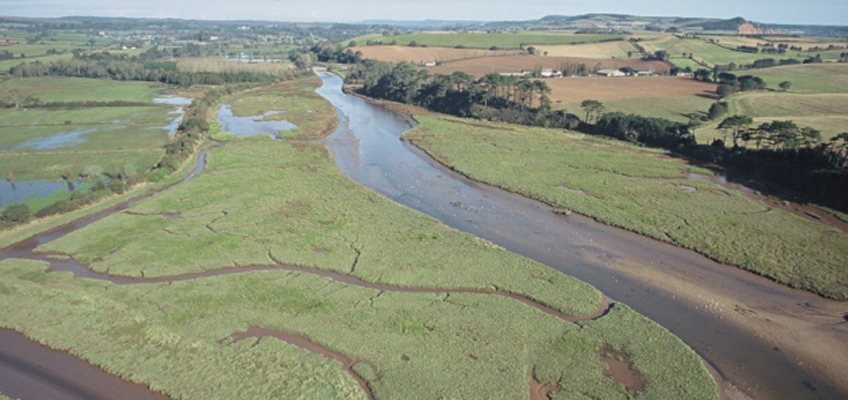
(293, 101)
(644, 191)
(262, 201)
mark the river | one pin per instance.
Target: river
(683, 291)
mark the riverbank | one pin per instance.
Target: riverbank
(808, 328)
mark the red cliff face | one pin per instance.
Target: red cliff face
(751, 29)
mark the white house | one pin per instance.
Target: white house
(550, 73)
(611, 72)
(430, 64)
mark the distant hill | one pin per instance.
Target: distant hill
(732, 24)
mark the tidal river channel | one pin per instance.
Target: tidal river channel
(687, 293)
(762, 340)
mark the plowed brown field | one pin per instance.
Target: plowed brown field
(575, 90)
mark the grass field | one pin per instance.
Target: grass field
(222, 65)
(771, 104)
(686, 62)
(644, 193)
(605, 50)
(513, 64)
(818, 98)
(35, 50)
(827, 112)
(711, 53)
(260, 200)
(808, 78)
(674, 108)
(294, 101)
(61, 89)
(418, 55)
(5, 65)
(485, 40)
(43, 143)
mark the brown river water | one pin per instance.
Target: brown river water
(762, 340)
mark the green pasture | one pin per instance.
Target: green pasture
(638, 190)
(671, 108)
(5, 65)
(485, 40)
(686, 62)
(807, 78)
(773, 104)
(714, 54)
(36, 50)
(61, 89)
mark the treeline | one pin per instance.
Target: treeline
(493, 97)
(151, 71)
(791, 156)
(655, 132)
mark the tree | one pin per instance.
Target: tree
(785, 85)
(17, 213)
(735, 125)
(717, 110)
(593, 108)
(702, 74)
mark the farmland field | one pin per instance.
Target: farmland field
(647, 193)
(674, 108)
(222, 65)
(61, 89)
(605, 50)
(485, 40)
(827, 112)
(711, 53)
(418, 55)
(513, 64)
(807, 78)
(575, 90)
(5, 65)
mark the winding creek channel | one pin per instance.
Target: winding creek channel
(763, 340)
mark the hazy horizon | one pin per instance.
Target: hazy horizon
(816, 12)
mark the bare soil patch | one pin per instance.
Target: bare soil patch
(575, 90)
(418, 55)
(513, 64)
(621, 370)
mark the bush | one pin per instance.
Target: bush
(17, 213)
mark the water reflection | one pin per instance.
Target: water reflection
(252, 125)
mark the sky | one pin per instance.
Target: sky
(818, 12)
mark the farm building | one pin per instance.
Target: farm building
(430, 64)
(611, 72)
(551, 73)
(638, 71)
